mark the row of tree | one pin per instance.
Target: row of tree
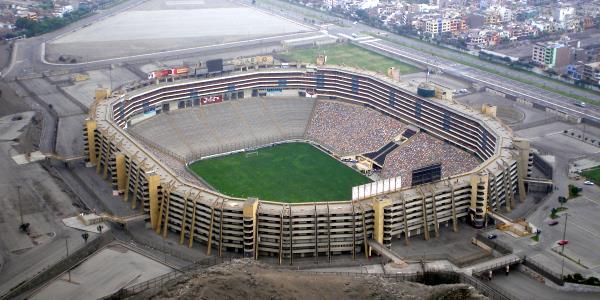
(29, 27)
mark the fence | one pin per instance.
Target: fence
(494, 244)
(156, 146)
(160, 281)
(496, 266)
(435, 277)
(60, 267)
(554, 277)
(429, 277)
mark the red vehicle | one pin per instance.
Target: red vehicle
(179, 71)
(158, 74)
(166, 72)
(563, 242)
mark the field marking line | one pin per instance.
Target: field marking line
(592, 232)
(594, 201)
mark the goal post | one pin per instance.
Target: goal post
(251, 154)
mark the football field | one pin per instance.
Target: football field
(293, 172)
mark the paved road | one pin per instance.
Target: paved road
(403, 47)
(509, 86)
(526, 288)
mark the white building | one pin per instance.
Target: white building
(560, 14)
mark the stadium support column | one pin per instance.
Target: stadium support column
(210, 226)
(249, 213)
(183, 218)
(506, 185)
(128, 183)
(479, 197)
(522, 166)
(353, 232)
(328, 233)
(454, 221)
(121, 172)
(406, 241)
(193, 228)
(103, 140)
(316, 234)
(281, 236)
(166, 216)
(139, 170)
(153, 184)
(291, 234)
(221, 217)
(90, 126)
(436, 225)
(493, 190)
(109, 153)
(256, 249)
(424, 214)
(165, 195)
(364, 230)
(378, 222)
(509, 184)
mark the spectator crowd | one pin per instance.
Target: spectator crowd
(349, 129)
(423, 150)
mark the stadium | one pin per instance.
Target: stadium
(386, 164)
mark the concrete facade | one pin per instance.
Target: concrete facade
(256, 227)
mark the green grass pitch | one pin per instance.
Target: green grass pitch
(293, 172)
(350, 55)
(593, 175)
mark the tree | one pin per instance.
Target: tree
(562, 200)
(573, 191)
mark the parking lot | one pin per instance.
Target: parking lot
(107, 271)
(169, 25)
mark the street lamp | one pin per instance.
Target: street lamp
(562, 269)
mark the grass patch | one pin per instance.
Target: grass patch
(536, 238)
(592, 175)
(349, 55)
(555, 211)
(294, 172)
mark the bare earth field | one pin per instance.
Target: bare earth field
(162, 25)
(247, 279)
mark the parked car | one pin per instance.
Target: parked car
(552, 222)
(563, 242)
(587, 182)
(492, 236)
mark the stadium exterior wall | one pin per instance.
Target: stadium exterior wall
(255, 227)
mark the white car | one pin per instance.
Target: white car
(587, 182)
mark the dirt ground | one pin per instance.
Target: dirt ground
(246, 279)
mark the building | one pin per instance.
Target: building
(560, 14)
(438, 26)
(539, 2)
(551, 55)
(591, 73)
(258, 228)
